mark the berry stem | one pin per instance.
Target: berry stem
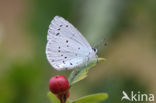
(63, 99)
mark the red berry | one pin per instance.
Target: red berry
(67, 94)
(58, 84)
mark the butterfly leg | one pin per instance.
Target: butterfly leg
(97, 59)
(87, 59)
(76, 70)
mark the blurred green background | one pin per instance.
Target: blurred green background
(129, 27)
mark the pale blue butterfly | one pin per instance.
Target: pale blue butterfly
(66, 47)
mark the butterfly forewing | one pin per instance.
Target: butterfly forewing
(60, 27)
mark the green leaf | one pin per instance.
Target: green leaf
(94, 98)
(54, 99)
(81, 72)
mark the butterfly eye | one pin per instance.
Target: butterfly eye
(95, 50)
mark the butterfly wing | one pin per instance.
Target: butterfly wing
(65, 55)
(60, 26)
(66, 47)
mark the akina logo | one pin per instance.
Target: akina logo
(137, 96)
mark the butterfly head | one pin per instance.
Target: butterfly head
(95, 50)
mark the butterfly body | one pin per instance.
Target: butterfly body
(66, 47)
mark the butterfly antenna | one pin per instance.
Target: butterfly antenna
(99, 43)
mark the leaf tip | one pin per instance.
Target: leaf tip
(102, 59)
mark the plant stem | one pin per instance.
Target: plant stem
(63, 98)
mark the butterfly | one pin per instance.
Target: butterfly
(66, 47)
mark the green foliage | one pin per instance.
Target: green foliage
(77, 75)
(95, 98)
(81, 72)
(54, 99)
